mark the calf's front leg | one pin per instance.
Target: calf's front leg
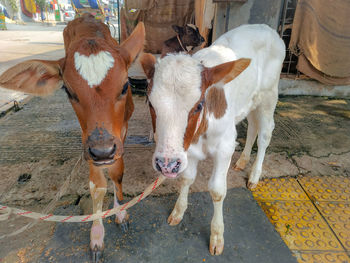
(116, 174)
(217, 188)
(188, 177)
(98, 188)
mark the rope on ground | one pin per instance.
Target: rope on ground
(72, 218)
(5, 211)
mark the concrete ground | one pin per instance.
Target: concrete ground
(40, 143)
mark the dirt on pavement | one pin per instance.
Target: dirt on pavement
(40, 144)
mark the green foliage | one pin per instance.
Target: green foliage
(41, 4)
(13, 5)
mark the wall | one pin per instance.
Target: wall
(250, 12)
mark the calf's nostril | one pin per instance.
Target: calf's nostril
(92, 153)
(113, 151)
(98, 154)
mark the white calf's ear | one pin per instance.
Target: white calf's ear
(148, 61)
(225, 72)
(38, 77)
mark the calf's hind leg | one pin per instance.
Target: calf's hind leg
(116, 174)
(98, 188)
(266, 125)
(251, 136)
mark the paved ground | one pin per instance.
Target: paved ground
(311, 213)
(41, 143)
(249, 237)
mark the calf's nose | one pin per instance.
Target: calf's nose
(168, 165)
(106, 153)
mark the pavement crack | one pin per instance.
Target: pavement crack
(327, 155)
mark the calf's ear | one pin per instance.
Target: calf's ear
(133, 45)
(38, 77)
(178, 29)
(225, 72)
(148, 61)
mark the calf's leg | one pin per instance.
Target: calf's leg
(266, 125)
(188, 177)
(217, 188)
(251, 136)
(116, 174)
(98, 188)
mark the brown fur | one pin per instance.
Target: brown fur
(203, 126)
(225, 72)
(101, 108)
(216, 102)
(116, 174)
(35, 76)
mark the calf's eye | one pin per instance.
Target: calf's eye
(70, 95)
(125, 88)
(199, 107)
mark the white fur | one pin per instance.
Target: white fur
(177, 82)
(92, 186)
(253, 93)
(93, 68)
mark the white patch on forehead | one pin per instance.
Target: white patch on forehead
(93, 68)
(193, 26)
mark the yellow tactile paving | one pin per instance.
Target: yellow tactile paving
(300, 225)
(327, 188)
(312, 215)
(322, 257)
(337, 215)
(279, 189)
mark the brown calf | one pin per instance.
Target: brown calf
(94, 75)
(187, 38)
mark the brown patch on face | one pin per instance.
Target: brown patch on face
(153, 116)
(151, 109)
(203, 126)
(191, 135)
(216, 102)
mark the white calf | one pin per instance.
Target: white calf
(196, 102)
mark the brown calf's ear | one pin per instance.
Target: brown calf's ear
(148, 61)
(177, 29)
(38, 77)
(226, 72)
(133, 45)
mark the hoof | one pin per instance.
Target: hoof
(124, 226)
(173, 221)
(237, 168)
(216, 248)
(96, 254)
(251, 185)
(123, 222)
(240, 165)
